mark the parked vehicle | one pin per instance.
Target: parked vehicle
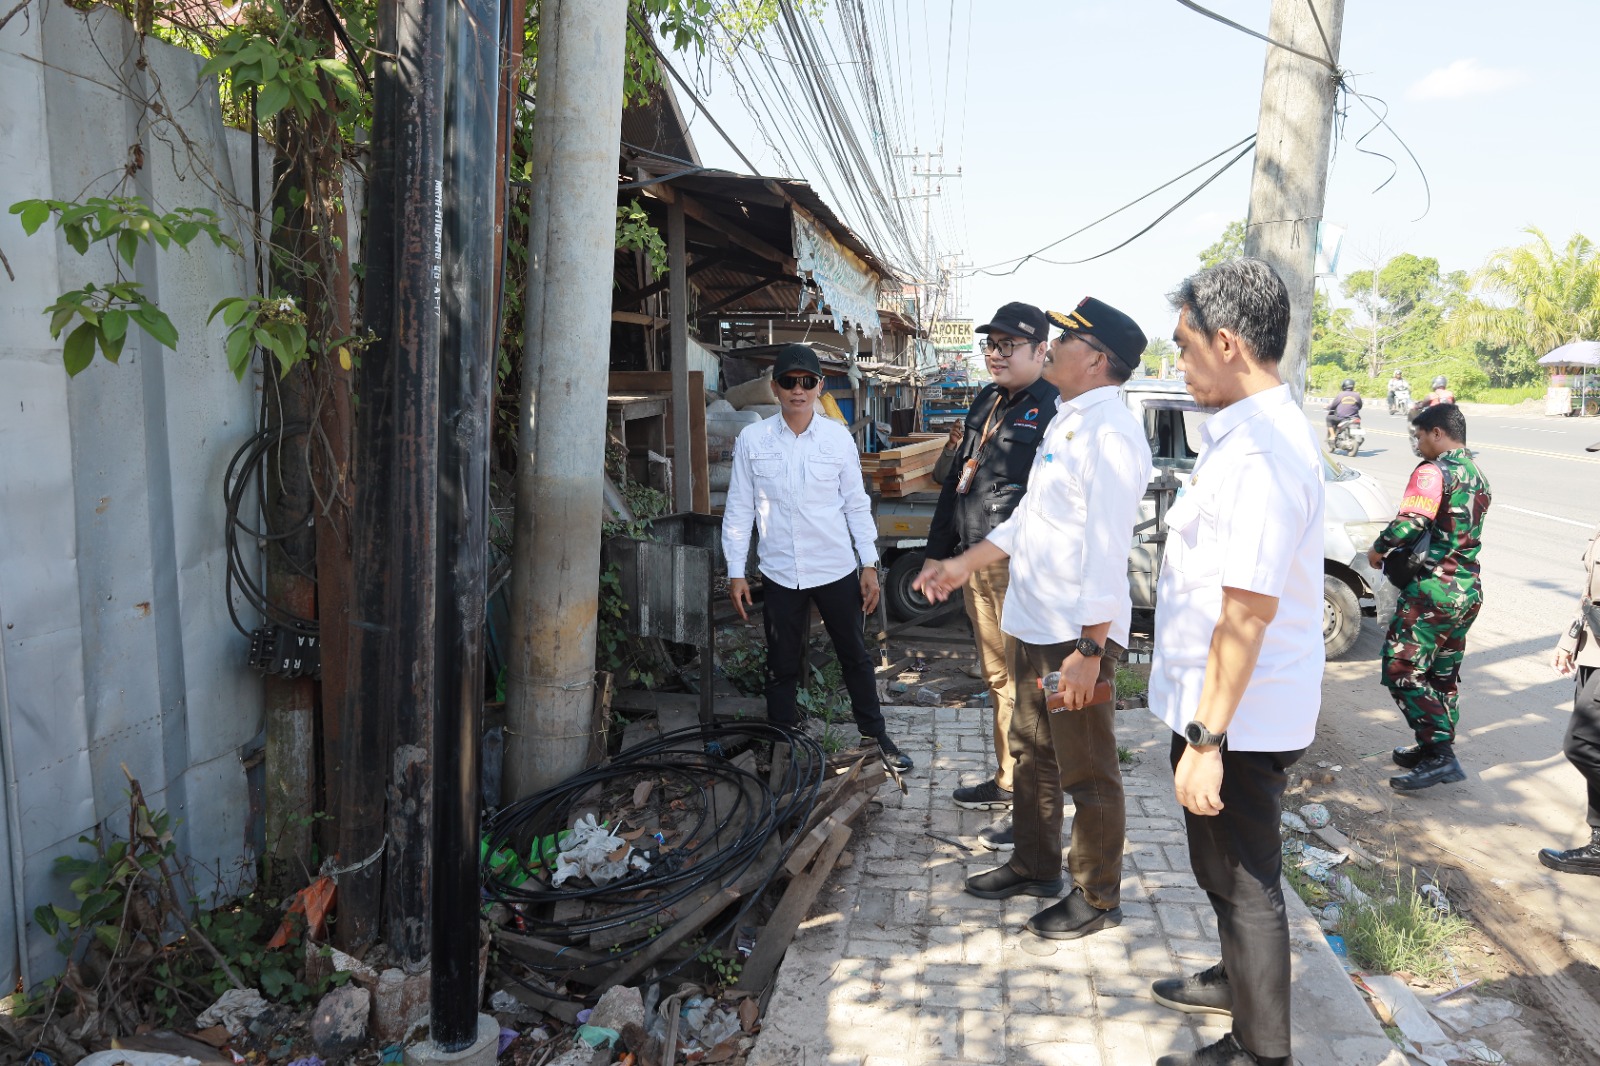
(1348, 435)
(1356, 511)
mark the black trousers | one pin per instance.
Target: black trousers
(1582, 746)
(787, 616)
(1238, 860)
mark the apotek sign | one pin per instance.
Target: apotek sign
(954, 335)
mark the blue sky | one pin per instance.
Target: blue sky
(1058, 112)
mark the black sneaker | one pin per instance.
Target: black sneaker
(1206, 992)
(1072, 918)
(997, 836)
(1438, 767)
(988, 796)
(1584, 860)
(1407, 757)
(1225, 1052)
(893, 757)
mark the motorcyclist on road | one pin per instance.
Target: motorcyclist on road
(1345, 405)
(1397, 381)
(1441, 392)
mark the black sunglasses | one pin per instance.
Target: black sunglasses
(797, 381)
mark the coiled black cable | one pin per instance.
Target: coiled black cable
(720, 846)
(246, 469)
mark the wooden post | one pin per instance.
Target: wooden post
(682, 456)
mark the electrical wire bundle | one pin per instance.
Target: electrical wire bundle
(721, 843)
(246, 469)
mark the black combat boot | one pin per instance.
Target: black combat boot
(1584, 860)
(1438, 766)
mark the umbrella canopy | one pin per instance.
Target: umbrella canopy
(1578, 353)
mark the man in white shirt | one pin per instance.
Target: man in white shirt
(797, 479)
(1068, 610)
(1238, 660)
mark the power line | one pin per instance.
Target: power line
(1246, 145)
(1208, 13)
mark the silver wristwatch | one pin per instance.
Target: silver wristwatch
(1199, 736)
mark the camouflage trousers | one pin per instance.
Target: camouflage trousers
(1422, 660)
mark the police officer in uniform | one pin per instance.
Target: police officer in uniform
(984, 475)
(1448, 497)
(1578, 655)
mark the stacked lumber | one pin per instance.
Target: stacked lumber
(905, 468)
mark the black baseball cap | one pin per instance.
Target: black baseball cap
(1107, 325)
(1019, 320)
(793, 357)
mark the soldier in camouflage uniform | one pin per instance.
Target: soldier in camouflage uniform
(1428, 636)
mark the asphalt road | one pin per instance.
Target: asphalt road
(1521, 794)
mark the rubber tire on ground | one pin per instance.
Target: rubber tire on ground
(903, 601)
(1341, 616)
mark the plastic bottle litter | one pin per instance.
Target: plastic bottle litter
(1315, 815)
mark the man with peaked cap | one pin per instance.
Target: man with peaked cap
(983, 475)
(797, 478)
(1068, 610)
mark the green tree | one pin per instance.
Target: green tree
(1159, 350)
(1532, 298)
(1228, 246)
(1402, 304)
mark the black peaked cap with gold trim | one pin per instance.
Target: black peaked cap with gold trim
(1107, 325)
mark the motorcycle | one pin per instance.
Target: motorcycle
(1400, 400)
(1348, 436)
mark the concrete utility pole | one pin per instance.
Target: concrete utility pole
(560, 473)
(1293, 137)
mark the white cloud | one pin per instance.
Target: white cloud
(1464, 77)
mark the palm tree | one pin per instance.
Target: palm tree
(1537, 298)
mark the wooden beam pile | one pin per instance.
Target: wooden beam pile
(905, 468)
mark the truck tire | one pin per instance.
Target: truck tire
(1341, 616)
(904, 601)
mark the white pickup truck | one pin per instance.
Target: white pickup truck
(1355, 512)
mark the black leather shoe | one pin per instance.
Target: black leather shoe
(1072, 918)
(1225, 1052)
(1206, 992)
(1584, 860)
(1436, 768)
(1004, 882)
(1407, 757)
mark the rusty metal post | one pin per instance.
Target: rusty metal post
(561, 462)
(396, 455)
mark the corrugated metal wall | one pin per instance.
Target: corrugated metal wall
(115, 644)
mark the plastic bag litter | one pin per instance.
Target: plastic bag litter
(1293, 846)
(137, 1058)
(588, 850)
(1483, 1052)
(707, 1024)
(1327, 858)
(1329, 917)
(233, 1010)
(1293, 821)
(1315, 815)
(1435, 895)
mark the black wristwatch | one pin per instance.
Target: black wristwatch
(1088, 648)
(1199, 736)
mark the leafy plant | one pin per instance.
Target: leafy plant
(635, 233)
(284, 70)
(104, 311)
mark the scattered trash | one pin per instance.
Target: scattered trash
(1483, 1052)
(1406, 1010)
(1435, 895)
(1315, 815)
(1327, 858)
(507, 1036)
(1347, 889)
(1293, 821)
(136, 1058)
(316, 1060)
(598, 1036)
(394, 1053)
(233, 1010)
(1330, 916)
(584, 1015)
(1317, 871)
(594, 851)
(1336, 768)
(1293, 846)
(41, 1058)
(314, 901)
(1472, 1012)
(1322, 765)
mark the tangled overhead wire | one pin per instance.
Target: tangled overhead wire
(246, 470)
(727, 823)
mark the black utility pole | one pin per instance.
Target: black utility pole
(393, 691)
(467, 350)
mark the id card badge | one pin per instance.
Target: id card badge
(969, 470)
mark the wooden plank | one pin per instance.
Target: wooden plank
(546, 953)
(634, 699)
(678, 303)
(819, 835)
(637, 318)
(776, 936)
(699, 450)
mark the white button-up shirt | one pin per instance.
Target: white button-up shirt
(1069, 537)
(1249, 518)
(803, 492)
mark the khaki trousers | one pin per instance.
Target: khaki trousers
(1075, 751)
(985, 597)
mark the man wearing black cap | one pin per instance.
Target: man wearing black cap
(797, 478)
(1068, 610)
(987, 475)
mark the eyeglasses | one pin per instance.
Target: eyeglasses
(797, 381)
(1005, 349)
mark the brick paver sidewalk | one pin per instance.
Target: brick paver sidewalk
(900, 967)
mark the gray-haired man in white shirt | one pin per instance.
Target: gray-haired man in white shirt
(1068, 609)
(1238, 662)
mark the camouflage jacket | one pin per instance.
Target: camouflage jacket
(1452, 493)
